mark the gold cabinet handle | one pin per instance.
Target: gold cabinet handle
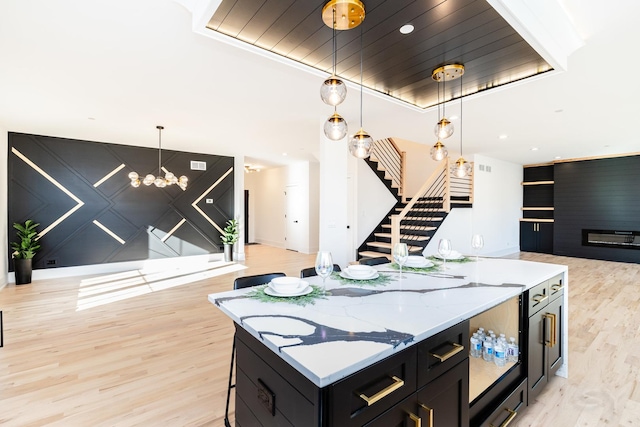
(457, 348)
(397, 383)
(539, 298)
(556, 288)
(512, 415)
(430, 411)
(417, 421)
(553, 337)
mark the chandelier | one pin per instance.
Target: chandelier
(444, 127)
(159, 181)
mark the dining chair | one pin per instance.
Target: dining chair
(241, 283)
(374, 261)
(311, 271)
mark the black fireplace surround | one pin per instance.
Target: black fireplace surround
(611, 238)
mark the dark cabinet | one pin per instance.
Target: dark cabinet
(536, 237)
(444, 402)
(546, 314)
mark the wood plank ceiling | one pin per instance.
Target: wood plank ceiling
(469, 32)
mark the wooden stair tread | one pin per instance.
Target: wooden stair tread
(413, 227)
(372, 254)
(416, 237)
(385, 245)
(421, 218)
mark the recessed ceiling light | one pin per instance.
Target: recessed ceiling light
(534, 148)
(406, 29)
(502, 136)
(557, 157)
(453, 117)
(284, 154)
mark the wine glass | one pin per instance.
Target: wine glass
(324, 265)
(444, 249)
(477, 242)
(400, 255)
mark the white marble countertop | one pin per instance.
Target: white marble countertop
(355, 325)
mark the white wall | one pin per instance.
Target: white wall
(373, 202)
(495, 213)
(267, 206)
(419, 163)
(4, 252)
(334, 192)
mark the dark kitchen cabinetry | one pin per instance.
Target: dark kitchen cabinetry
(545, 316)
(536, 236)
(536, 224)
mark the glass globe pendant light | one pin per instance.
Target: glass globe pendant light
(335, 128)
(439, 151)
(361, 143)
(461, 167)
(333, 90)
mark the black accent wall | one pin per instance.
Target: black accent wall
(48, 177)
(601, 194)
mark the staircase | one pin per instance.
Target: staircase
(414, 221)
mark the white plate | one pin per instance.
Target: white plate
(302, 286)
(346, 275)
(456, 256)
(305, 291)
(418, 262)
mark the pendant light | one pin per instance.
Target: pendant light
(361, 143)
(159, 181)
(335, 128)
(461, 167)
(444, 128)
(333, 90)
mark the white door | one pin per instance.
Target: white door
(293, 218)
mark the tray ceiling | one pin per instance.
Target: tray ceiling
(470, 32)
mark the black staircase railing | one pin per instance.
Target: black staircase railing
(392, 160)
(423, 212)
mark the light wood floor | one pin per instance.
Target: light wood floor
(161, 358)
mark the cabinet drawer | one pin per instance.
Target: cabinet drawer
(556, 287)
(508, 409)
(538, 297)
(438, 354)
(360, 397)
(264, 397)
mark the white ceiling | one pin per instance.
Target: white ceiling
(111, 70)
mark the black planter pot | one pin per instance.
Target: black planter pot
(23, 268)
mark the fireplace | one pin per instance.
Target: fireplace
(611, 238)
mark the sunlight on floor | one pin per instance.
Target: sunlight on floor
(106, 289)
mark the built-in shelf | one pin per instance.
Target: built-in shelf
(529, 208)
(536, 220)
(538, 183)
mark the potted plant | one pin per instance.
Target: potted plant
(229, 238)
(24, 250)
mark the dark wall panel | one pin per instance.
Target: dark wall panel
(49, 177)
(598, 194)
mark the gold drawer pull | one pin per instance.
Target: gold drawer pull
(539, 298)
(512, 415)
(553, 338)
(457, 348)
(556, 288)
(384, 392)
(430, 411)
(417, 421)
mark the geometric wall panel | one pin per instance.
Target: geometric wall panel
(89, 213)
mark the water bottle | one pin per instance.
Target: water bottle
(499, 355)
(512, 350)
(476, 346)
(487, 350)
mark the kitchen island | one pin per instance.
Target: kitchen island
(319, 353)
